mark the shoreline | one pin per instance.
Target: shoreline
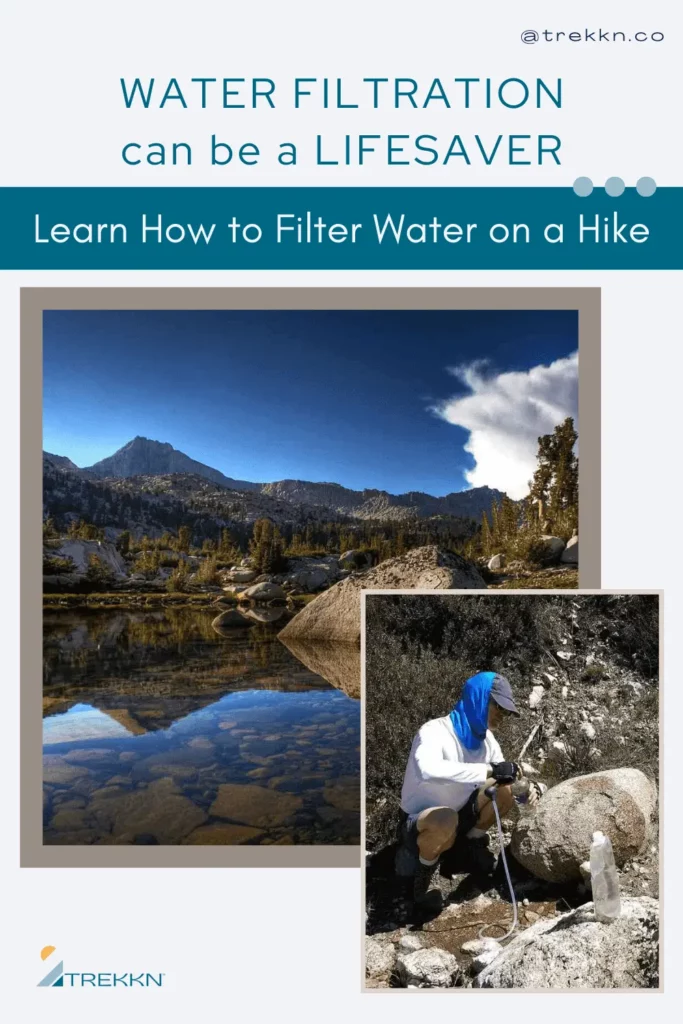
(153, 599)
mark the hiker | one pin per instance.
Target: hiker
(453, 760)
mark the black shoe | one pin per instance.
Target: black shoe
(479, 858)
(426, 885)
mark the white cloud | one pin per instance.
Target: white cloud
(506, 413)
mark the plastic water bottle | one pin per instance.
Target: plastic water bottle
(604, 880)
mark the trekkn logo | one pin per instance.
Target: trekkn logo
(57, 977)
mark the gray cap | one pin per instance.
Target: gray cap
(501, 692)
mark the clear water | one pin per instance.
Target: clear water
(158, 728)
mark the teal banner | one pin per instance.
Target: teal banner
(338, 229)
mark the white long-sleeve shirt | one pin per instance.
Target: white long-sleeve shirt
(441, 772)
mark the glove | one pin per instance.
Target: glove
(505, 771)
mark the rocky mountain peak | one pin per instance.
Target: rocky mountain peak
(140, 441)
(145, 457)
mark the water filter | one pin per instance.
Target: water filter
(604, 879)
(520, 790)
(527, 793)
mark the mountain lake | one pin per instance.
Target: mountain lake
(163, 727)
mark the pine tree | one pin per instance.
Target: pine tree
(495, 526)
(49, 530)
(184, 539)
(267, 547)
(485, 539)
(556, 480)
(227, 549)
(508, 520)
(98, 576)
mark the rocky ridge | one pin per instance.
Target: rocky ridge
(378, 504)
(141, 462)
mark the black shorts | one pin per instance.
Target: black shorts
(467, 819)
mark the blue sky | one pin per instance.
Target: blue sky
(362, 398)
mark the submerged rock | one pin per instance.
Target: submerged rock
(56, 771)
(254, 805)
(160, 810)
(577, 951)
(69, 820)
(222, 835)
(344, 798)
(97, 755)
(335, 614)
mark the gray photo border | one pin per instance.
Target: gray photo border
(33, 302)
(504, 594)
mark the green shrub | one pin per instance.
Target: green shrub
(147, 563)
(206, 573)
(98, 576)
(55, 566)
(80, 530)
(531, 549)
(178, 581)
(594, 673)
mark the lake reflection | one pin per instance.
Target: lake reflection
(161, 728)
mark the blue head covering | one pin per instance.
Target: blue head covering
(470, 714)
